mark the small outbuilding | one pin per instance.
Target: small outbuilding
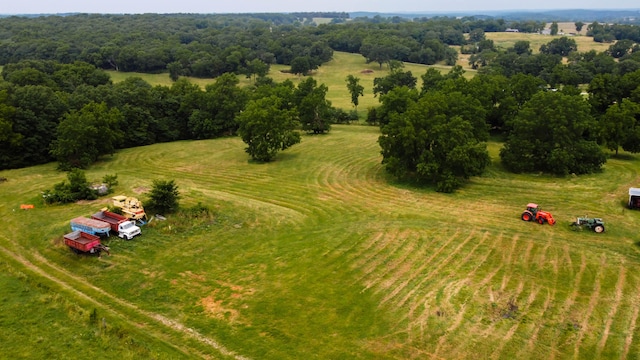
(634, 198)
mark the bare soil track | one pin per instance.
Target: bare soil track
(155, 324)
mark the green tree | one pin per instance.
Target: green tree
(85, 135)
(621, 48)
(267, 127)
(604, 91)
(579, 25)
(435, 142)
(396, 101)
(554, 28)
(38, 111)
(9, 140)
(521, 47)
(216, 108)
(133, 98)
(78, 188)
(378, 51)
(302, 65)
(553, 133)
(175, 70)
(179, 103)
(396, 78)
(620, 128)
(312, 106)
(355, 89)
(164, 196)
(476, 35)
(561, 46)
(256, 68)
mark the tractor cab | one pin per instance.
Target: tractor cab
(533, 208)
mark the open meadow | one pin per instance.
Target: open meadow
(320, 255)
(333, 74)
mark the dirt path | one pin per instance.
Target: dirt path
(122, 315)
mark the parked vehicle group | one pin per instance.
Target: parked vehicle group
(87, 232)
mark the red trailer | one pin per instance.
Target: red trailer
(82, 242)
(110, 217)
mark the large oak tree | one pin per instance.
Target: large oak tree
(553, 133)
(437, 140)
(267, 127)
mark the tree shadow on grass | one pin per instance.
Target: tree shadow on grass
(280, 157)
(623, 156)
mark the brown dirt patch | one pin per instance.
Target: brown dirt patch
(629, 339)
(98, 201)
(366, 71)
(217, 310)
(141, 189)
(193, 276)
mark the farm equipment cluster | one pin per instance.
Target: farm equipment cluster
(86, 234)
(534, 213)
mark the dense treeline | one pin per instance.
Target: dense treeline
(612, 32)
(211, 45)
(73, 113)
(557, 62)
(68, 110)
(191, 45)
(436, 134)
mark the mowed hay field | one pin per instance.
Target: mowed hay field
(332, 74)
(320, 255)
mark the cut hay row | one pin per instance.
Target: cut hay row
(321, 254)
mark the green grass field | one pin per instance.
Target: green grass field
(320, 255)
(504, 40)
(333, 75)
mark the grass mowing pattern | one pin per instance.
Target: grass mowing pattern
(319, 254)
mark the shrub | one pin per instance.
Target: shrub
(164, 196)
(78, 188)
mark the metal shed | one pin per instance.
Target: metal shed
(634, 198)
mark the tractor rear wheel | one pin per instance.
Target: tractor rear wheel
(527, 216)
(598, 228)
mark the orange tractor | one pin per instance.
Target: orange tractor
(533, 212)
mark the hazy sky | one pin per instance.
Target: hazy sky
(237, 6)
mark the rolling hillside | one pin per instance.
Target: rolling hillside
(320, 255)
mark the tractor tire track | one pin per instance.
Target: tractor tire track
(398, 267)
(373, 267)
(415, 273)
(613, 310)
(99, 301)
(507, 337)
(430, 274)
(593, 301)
(631, 330)
(530, 347)
(451, 288)
(568, 303)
